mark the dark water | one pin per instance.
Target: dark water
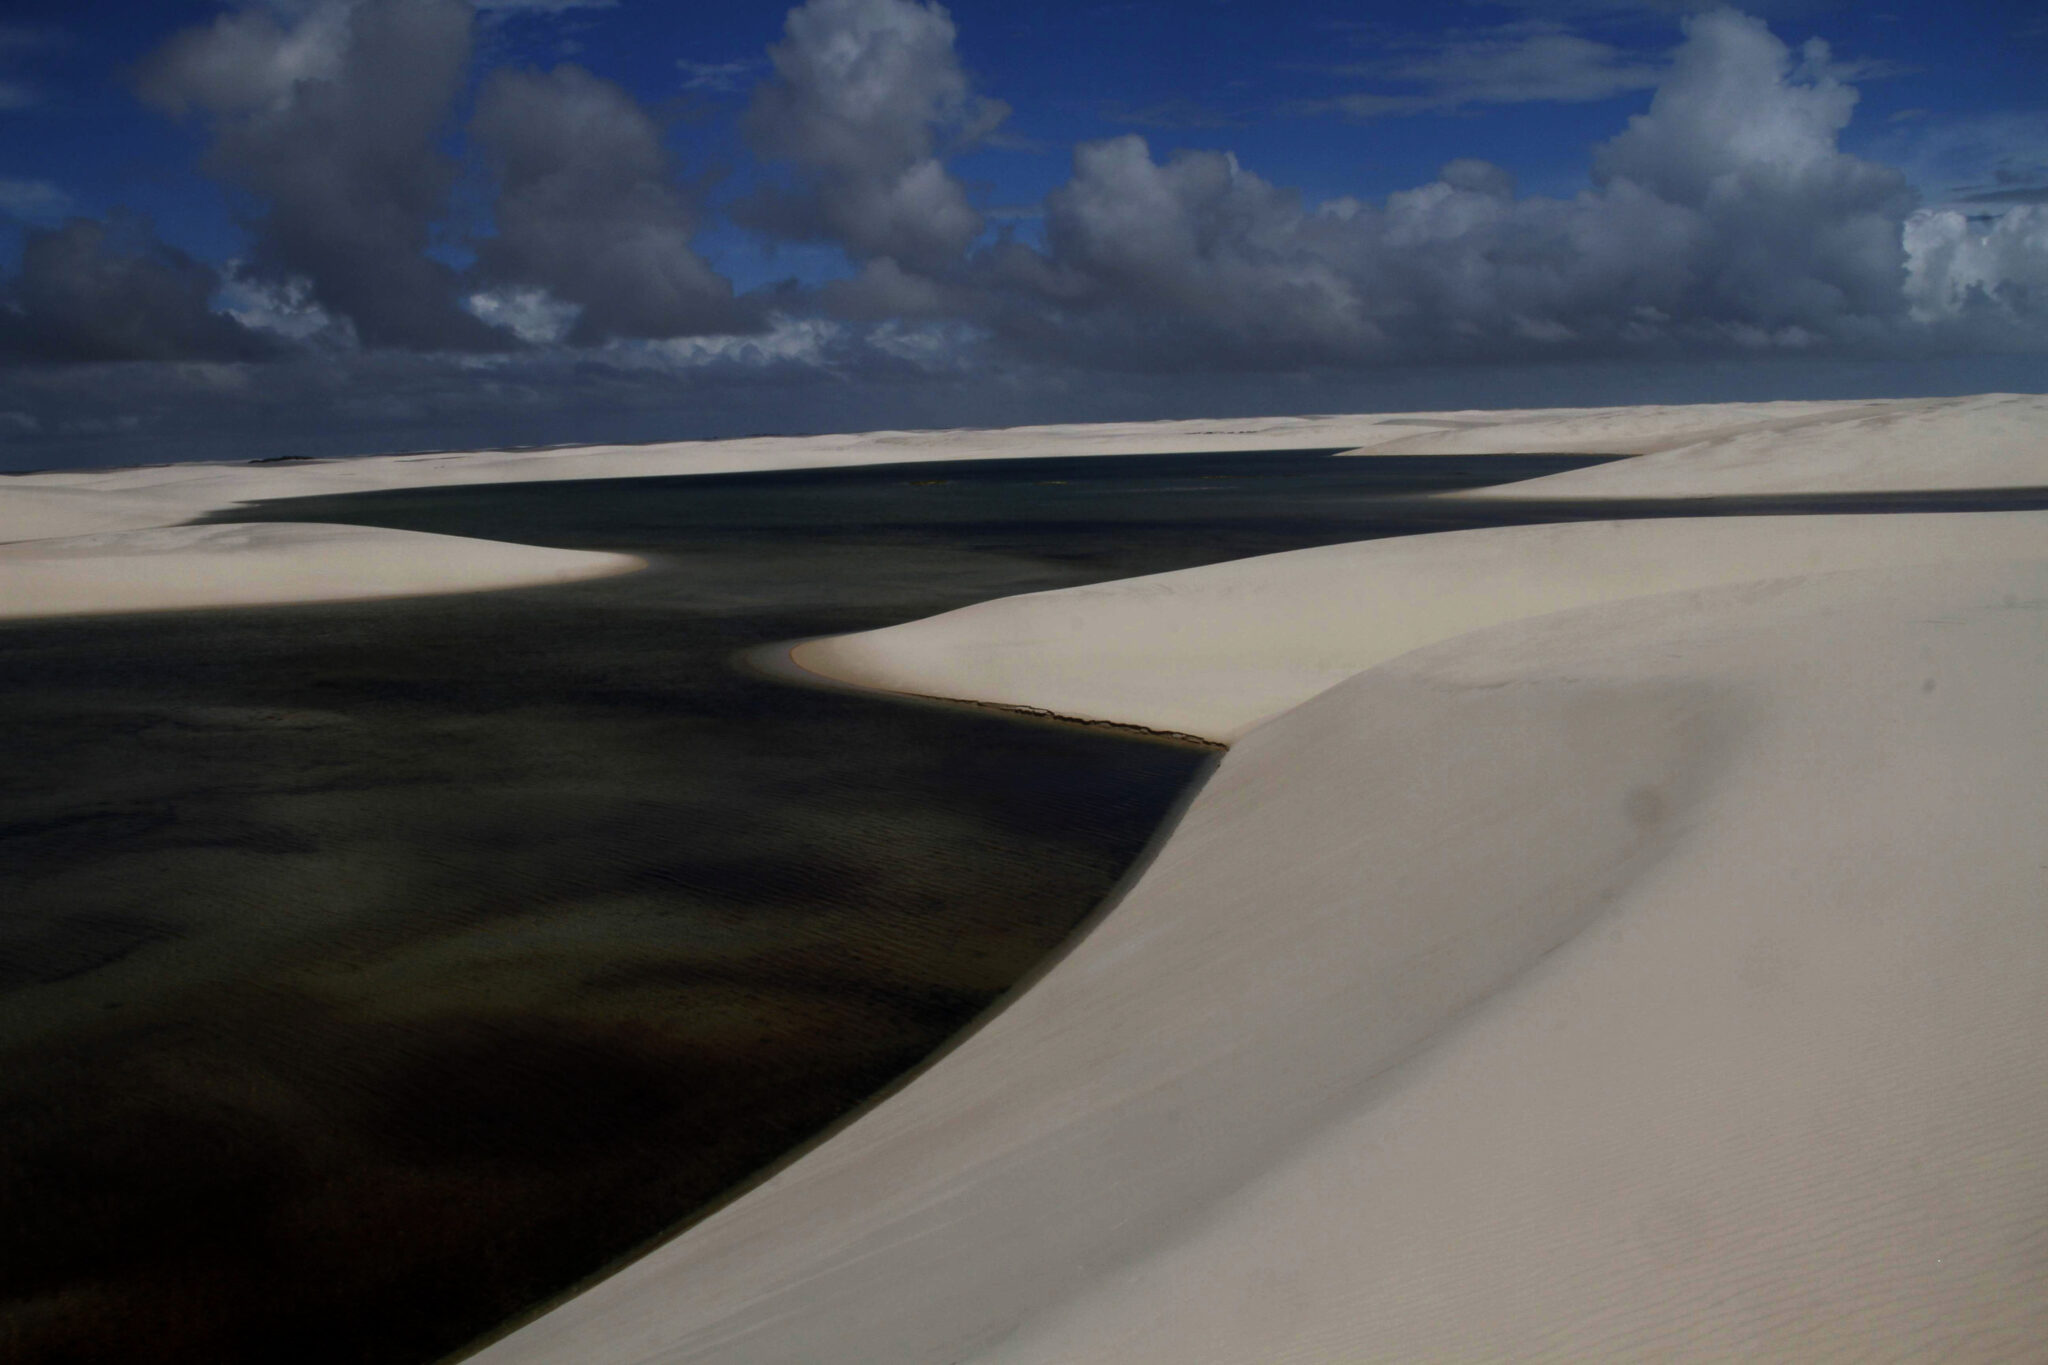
(371, 972)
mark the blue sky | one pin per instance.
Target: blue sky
(313, 226)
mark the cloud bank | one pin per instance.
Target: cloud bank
(1723, 221)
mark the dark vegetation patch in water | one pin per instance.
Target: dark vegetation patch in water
(371, 972)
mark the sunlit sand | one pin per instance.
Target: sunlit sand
(1609, 940)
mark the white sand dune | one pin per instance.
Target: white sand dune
(1654, 981)
(1977, 442)
(1647, 966)
(1213, 651)
(245, 564)
(1994, 441)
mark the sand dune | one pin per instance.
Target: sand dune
(1805, 446)
(1656, 980)
(241, 565)
(1995, 441)
(1951, 436)
(1215, 650)
(1599, 942)
(1646, 967)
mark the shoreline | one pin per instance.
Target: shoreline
(779, 661)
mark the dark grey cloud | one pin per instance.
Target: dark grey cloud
(110, 291)
(589, 210)
(867, 97)
(332, 119)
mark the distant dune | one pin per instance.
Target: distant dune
(47, 506)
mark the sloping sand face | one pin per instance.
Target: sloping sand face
(1656, 980)
(1784, 1097)
(1646, 966)
(1214, 651)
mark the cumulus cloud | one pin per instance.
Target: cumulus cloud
(589, 211)
(1792, 229)
(1992, 271)
(110, 291)
(1726, 218)
(331, 115)
(866, 97)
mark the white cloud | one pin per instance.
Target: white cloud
(1963, 266)
(531, 314)
(1724, 218)
(867, 96)
(284, 308)
(927, 345)
(788, 341)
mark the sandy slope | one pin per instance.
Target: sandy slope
(1785, 1094)
(1647, 968)
(1215, 650)
(1993, 441)
(1657, 980)
(240, 565)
